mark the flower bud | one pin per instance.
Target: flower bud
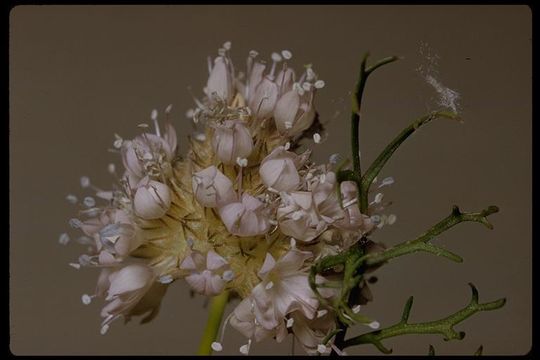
(285, 80)
(206, 275)
(278, 170)
(211, 187)
(152, 200)
(220, 80)
(298, 216)
(245, 218)
(294, 113)
(232, 140)
(263, 100)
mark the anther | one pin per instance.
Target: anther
(71, 198)
(85, 181)
(317, 138)
(216, 346)
(89, 202)
(290, 323)
(286, 54)
(64, 239)
(86, 299)
(319, 84)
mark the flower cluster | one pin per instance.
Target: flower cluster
(245, 211)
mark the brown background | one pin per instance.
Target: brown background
(81, 73)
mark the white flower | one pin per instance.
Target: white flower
(206, 273)
(125, 288)
(243, 319)
(352, 218)
(232, 140)
(284, 288)
(246, 218)
(211, 187)
(145, 149)
(311, 332)
(152, 200)
(120, 236)
(278, 170)
(298, 216)
(263, 100)
(220, 81)
(293, 112)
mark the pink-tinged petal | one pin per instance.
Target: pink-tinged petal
(285, 80)
(106, 258)
(292, 261)
(103, 282)
(152, 201)
(197, 281)
(170, 137)
(129, 278)
(251, 202)
(219, 80)
(231, 214)
(255, 77)
(286, 110)
(267, 266)
(264, 99)
(188, 264)
(214, 285)
(214, 261)
(304, 199)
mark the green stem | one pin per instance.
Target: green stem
(215, 314)
(422, 243)
(386, 154)
(444, 326)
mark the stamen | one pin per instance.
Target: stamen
(275, 59)
(75, 223)
(244, 349)
(317, 138)
(286, 54)
(310, 74)
(168, 109)
(356, 309)
(319, 84)
(75, 265)
(216, 346)
(293, 242)
(111, 168)
(166, 279)
(85, 181)
(290, 323)
(154, 115)
(391, 219)
(118, 141)
(89, 202)
(374, 325)
(321, 349)
(64, 239)
(269, 285)
(387, 181)
(334, 158)
(71, 198)
(86, 299)
(228, 275)
(287, 146)
(104, 329)
(227, 45)
(242, 162)
(321, 313)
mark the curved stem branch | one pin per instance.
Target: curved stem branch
(444, 326)
(422, 243)
(215, 314)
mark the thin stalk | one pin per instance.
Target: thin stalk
(215, 314)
